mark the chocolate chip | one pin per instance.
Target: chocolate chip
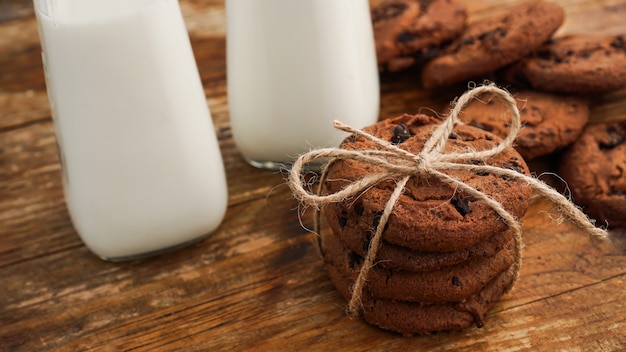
(343, 220)
(453, 135)
(430, 52)
(355, 260)
(405, 37)
(618, 42)
(368, 240)
(467, 41)
(511, 166)
(424, 5)
(614, 139)
(481, 126)
(377, 216)
(358, 209)
(388, 11)
(460, 205)
(546, 55)
(484, 35)
(456, 281)
(400, 134)
(498, 32)
(479, 162)
(366, 246)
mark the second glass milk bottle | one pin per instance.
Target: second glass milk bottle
(294, 66)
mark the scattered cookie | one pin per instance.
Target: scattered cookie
(389, 19)
(492, 43)
(551, 121)
(438, 22)
(574, 63)
(595, 170)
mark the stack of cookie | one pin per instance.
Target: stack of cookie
(445, 257)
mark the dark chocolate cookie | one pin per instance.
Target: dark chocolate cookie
(595, 170)
(420, 318)
(551, 121)
(494, 42)
(389, 19)
(402, 258)
(430, 215)
(575, 63)
(438, 22)
(449, 284)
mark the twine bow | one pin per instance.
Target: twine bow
(400, 165)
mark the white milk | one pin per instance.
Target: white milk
(293, 67)
(142, 166)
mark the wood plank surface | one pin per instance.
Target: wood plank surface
(258, 283)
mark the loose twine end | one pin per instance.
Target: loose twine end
(401, 165)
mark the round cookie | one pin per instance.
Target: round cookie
(595, 170)
(402, 258)
(415, 318)
(551, 122)
(449, 284)
(421, 318)
(575, 63)
(438, 22)
(389, 19)
(431, 215)
(494, 42)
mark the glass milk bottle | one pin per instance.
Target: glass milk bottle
(294, 66)
(142, 168)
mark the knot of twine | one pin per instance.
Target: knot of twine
(400, 165)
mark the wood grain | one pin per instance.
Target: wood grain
(258, 282)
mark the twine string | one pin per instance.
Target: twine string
(400, 165)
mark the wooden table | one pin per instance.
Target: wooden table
(258, 282)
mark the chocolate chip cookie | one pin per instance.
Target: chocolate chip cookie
(595, 170)
(551, 121)
(389, 19)
(448, 284)
(430, 215)
(575, 63)
(402, 258)
(438, 22)
(494, 42)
